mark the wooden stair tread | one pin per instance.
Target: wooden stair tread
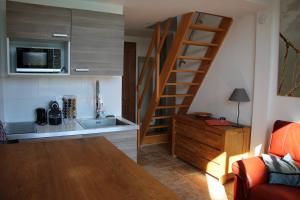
(156, 137)
(152, 133)
(196, 43)
(183, 83)
(176, 95)
(172, 106)
(203, 27)
(188, 70)
(158, 126)
(193, 58)
(161, 117)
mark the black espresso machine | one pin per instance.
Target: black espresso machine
(54, 114)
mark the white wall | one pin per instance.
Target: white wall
(232, 68)
(268, 107)
(23, 95)
(284, 108)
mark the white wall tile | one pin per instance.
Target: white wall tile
(23, 95)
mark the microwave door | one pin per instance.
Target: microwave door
(35, 60)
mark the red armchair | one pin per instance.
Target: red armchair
(251, 175)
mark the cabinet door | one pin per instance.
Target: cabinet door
(38, 22)
(97, 43)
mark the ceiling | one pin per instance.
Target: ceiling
(139, 14)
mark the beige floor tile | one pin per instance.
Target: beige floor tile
(186, 181)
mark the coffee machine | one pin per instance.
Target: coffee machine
(41, 116)
(54, 114)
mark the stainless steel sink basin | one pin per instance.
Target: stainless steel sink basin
(100, 123)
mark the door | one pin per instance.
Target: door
(129, 82)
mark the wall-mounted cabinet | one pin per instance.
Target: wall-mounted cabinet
(38, 22)
(95, 39)
(97, 43)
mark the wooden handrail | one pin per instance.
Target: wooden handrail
(165, 33)
(148, 55)
(156, 42)
(146, 86)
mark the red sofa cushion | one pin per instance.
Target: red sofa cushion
(286, 139)
(274, 192)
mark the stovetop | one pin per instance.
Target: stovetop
(20, 128)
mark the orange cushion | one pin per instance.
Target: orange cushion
(286, 139)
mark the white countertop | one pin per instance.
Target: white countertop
(70, 128)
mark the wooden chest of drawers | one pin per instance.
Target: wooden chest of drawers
(210, 148)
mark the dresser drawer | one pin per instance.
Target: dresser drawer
(212, 149)
(205, 165)
(206, 137)
(199, 149)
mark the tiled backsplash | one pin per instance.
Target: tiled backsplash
(23, 95)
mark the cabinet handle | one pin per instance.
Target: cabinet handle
(60, 35)
(82, 70)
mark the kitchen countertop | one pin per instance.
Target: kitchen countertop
(85, 168)
(70, 128)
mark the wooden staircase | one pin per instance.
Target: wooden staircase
(160, 73)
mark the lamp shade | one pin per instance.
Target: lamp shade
(239, 95)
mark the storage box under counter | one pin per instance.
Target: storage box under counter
(212, 149)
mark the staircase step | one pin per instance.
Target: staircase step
(156, 138)
(157, 133)
(183, 83)
(203, 27)
(161, 117)
(173, 106)
(188, 70)
(158, 126)
(196, 43)
(176, 95)
(193, 58)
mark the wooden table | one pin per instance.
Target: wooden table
(90, 168)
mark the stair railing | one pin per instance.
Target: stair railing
(156, 44)
(166, 70)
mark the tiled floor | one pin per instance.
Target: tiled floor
(188, 182)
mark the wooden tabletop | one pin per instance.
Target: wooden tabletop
(89, 168)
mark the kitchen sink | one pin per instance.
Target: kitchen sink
(100, 123)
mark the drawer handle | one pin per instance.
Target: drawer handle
(81, 70)
(60, 35)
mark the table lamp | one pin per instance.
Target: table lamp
(239, 95)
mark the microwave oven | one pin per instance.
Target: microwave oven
(38, 60)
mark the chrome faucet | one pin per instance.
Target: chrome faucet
(99, 102)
